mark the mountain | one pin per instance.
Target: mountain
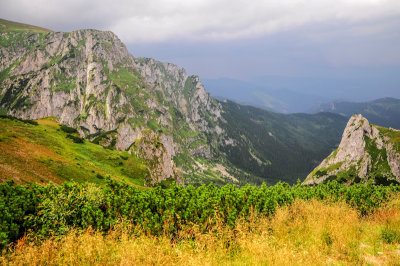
(367, 153)
(268, 95)
(87, 80)
(384, 111)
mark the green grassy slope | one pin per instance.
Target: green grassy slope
(43, 153)
(7, 25)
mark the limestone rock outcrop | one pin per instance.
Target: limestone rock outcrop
(366, 153)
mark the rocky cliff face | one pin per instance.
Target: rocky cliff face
(150, 147)
(88, 80)
(367, 153)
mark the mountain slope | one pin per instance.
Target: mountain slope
(47, 152)
(384, 112)
(87, 80)
(281, 147)
(367, 153)
(6, 26)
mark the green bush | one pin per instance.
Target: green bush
(390, 235)
(68, 129)
(26, 121)
(52, 210)
(76, 139)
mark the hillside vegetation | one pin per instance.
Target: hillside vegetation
(118, 224)
(51, 210)
(278, 146)
(305, 233)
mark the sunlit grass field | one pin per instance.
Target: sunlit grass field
(304, 233)
(43, 153)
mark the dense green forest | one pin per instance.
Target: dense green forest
(278, 147)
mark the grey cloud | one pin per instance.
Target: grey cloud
(216, 20)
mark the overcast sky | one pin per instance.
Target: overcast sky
(237, 38)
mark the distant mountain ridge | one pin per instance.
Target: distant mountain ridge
(268, 97)
(384, 111)
(284, 95)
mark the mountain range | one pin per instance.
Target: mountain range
(384, 112)
(282, 94)
(267, 95)
(150, 112)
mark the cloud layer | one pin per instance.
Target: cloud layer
(201, 20)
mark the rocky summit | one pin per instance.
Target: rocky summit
(367, 153)
(88, 80)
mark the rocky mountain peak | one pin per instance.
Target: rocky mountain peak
(88, 80)
(366, 152)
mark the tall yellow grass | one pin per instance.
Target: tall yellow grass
(304, 233)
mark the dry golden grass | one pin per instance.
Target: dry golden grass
(19, 161)
(305, 233)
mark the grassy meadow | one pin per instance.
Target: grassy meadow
(44, 153)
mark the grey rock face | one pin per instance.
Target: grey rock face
(364, 151)
(149, 147)
(88, 80)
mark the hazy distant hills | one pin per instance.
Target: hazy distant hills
(303, 94)
(267, 96)
(384, 112)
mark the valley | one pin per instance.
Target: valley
(108, 158)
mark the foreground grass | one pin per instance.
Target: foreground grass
(306, 232)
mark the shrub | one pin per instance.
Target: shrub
(53, 210)
(26, 121)
(390, 235)
(68, 129)
(75, 139)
